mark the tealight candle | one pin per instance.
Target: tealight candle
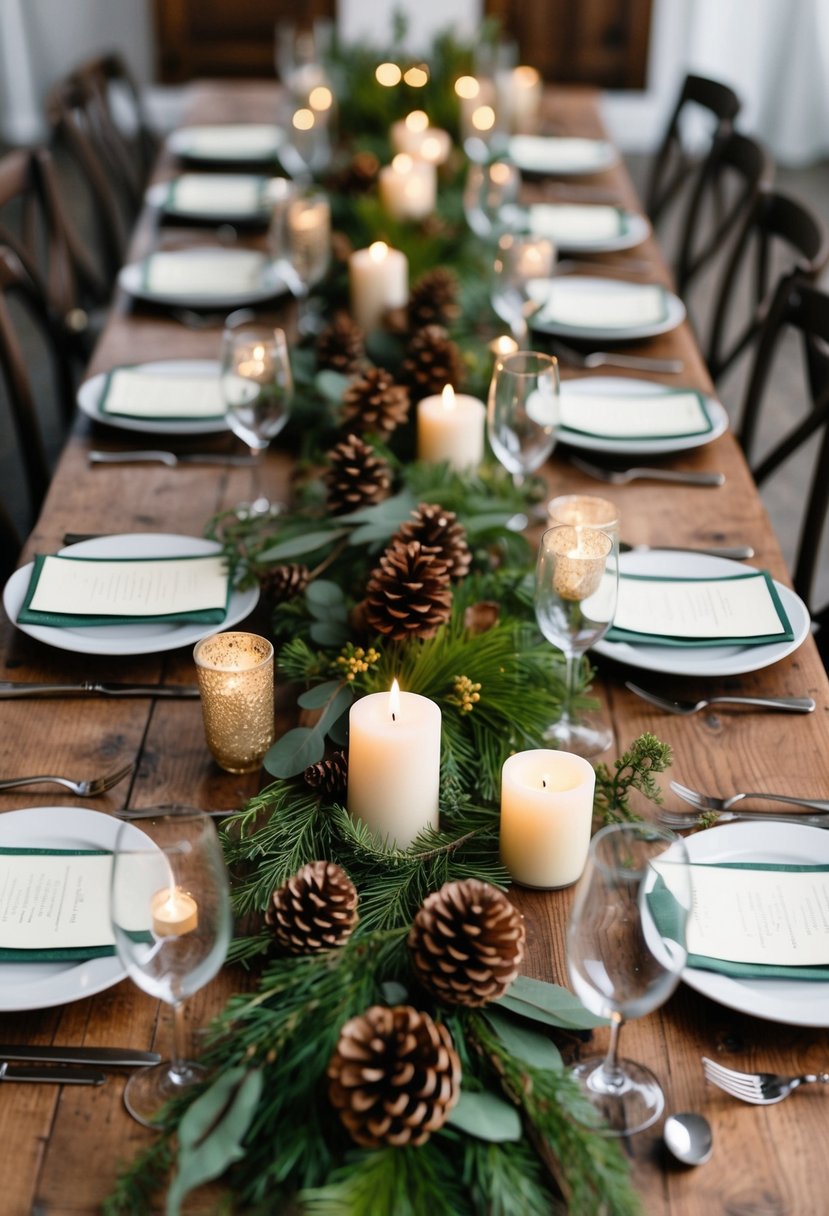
(379, 280)
(451, 427)
(581, 558)
(173, 912)
(585, 511)
(414, 136)
(394, 764)
(235, 674)
(408, 188)
(503, 345)
(546, 817)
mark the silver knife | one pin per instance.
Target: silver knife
(737, 553)
(106, 1056)
(168, 458)
(61, 1075)
(9, 690)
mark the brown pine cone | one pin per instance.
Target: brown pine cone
(467, 942)
(432, 361)
(283, 583)
(315, 910)
(329, 777)
(375, 404)
(408, 594)
(356, 476)
(394, 1076)
(341, 346)
(438, 531)
(434, 299)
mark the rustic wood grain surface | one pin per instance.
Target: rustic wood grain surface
(62, 1148)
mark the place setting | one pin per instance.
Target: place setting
(206, 277)
(217, 198)
(227, 143)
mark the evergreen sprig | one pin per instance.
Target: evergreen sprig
(634, 770)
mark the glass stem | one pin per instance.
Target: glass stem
(569, 690)
(178, 1062)
(613, 1075)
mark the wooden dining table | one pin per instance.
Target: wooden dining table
(62, 1146)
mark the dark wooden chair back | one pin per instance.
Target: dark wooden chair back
(733, 173)
(781, 240)
(796, 305)
(674, 164)
(10, 544)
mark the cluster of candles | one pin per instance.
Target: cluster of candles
(394, 779)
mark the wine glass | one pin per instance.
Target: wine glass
(171, 919)
(522, 414)
(489, 191)
(576, 589)
(307, 121)
(307, 248)
(258, 389)
(522, 262)
(620, 965)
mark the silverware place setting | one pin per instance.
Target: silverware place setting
(621, 477)
(711, 802)
(11, 691)
(685, 820)
(606, 358)
(795, 705)
(89, 788)
(171, 459)
(737, 553)
(758, 1088)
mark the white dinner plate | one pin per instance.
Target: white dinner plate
(674, 312)
(703, 660)
(547, 155)
(41, 985)
(158, 195)
(636, 230)
(237, 143)
(144, 638)
(269, 282)
(791, 1002)
(90, 394)
(622, 386)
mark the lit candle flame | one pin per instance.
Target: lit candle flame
(417, 121)
(388, 74)
(467, 87)
(416, 77)
(448, 397)
(394, 700)
(303, 120)
(321, 98)
(378, 251)
(483, 119)
(402, 163)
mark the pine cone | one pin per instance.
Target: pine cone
(358, 176)
(315, 910)
(432, 361)
(408, 594)
(341, 346)
(282, 583)
(394, 1076)
(440, 533)
(467, 942)
(356, 477)
(375, 404)
(329, 777)
(434, 299)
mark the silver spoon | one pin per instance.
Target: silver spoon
(688, 1138)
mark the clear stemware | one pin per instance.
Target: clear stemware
(489, 191)
(576, 590)
(620, 965)
(307, 122)
(171, 919)
(307, 248)
(522, 414)
(521, 261)
(258, 389)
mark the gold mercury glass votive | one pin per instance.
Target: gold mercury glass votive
(581, 556)
(584, 511)
(235, 674)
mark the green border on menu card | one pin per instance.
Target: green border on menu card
(669, 392)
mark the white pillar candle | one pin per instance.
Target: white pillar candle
(408, 188)
(546, 816)
(451, 427)
(519, 94)
(414, 135)
(379, 279)
(394, 764)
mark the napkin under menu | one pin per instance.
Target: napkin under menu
(72, 591)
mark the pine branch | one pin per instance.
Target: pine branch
(632, 771)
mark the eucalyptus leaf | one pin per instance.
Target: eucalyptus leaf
(301, 546)
(486, 1116)
(212, 1130)
(323, 594)
(399, 507)
(528, 1045)
(548, 1003)
(316, 697)
(339, 703)
(329, 633)
(394, 993)
(296, 749)
(331, 385)
(485, 523)
(338, 731)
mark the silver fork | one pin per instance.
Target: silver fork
(759, 1088)
(620, 477)
(83, 789)
(709, 802)
(605, 358)
(795, 705)
(691, 819)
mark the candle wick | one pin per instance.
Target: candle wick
(543, 783)
(394, 717)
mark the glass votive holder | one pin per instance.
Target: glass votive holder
(235, 675)
(585, 511)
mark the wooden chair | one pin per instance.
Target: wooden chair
(781, 240)
(10, 544)
(800, 306)
(735, 170)
(17, 285)
(34, 223)
(675, 164)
